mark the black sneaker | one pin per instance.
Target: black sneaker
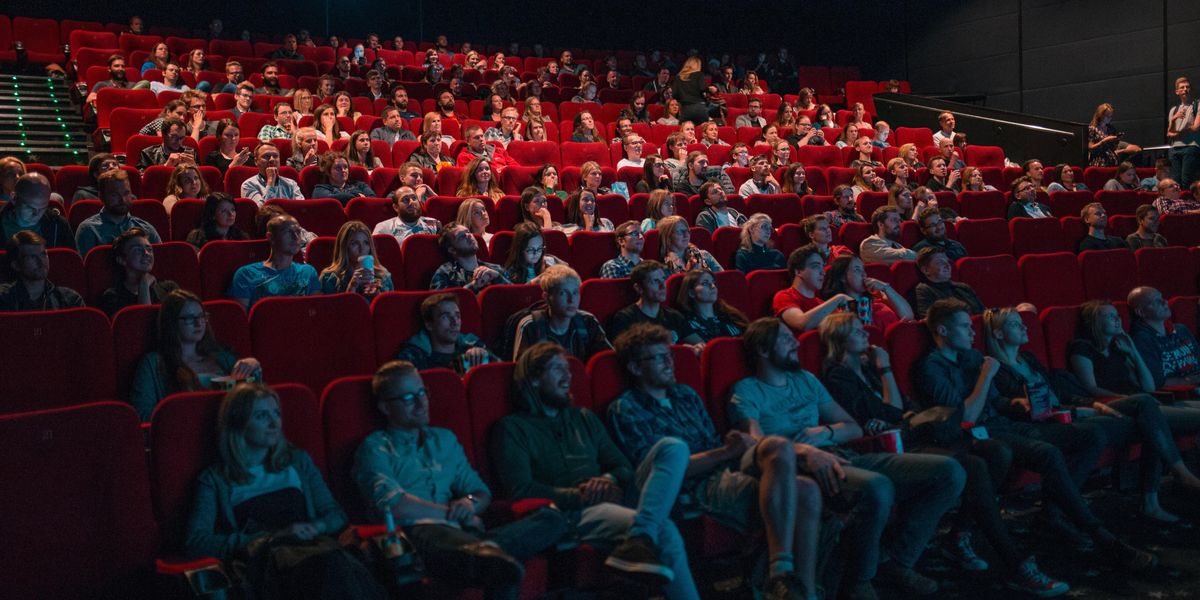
(1132, 558)
(963, 554)
(907, 579)
(638, 556)
(490, 565)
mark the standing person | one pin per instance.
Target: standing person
(419, 475)
(688, 88)
(1183, 131)
(1105, 144)
(263, 494)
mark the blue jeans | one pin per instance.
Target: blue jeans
(921, 486)
(657, 483)
(1185, 164)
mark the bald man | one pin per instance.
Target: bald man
(1169, 349)
(30, 210)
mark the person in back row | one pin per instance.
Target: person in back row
(550, 449)
(32, 290)
(782, 399)
(956, 375)
(561, 321)
(419, 476)
(279, 275)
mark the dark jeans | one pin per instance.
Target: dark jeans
(986, 463)
(1185, 165)
(1045, 459)
(438, 545)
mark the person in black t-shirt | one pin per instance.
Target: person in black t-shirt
(650, 281)
(441, 342)
(1096, 219)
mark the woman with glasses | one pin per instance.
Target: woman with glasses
(527, 257)
(187, 357)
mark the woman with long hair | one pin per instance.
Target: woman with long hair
(218, 221)
(305, 149)
(473, 215)
(707, 314)
(159, 56)
(581, 214)
(750, 85)
(659, 206)
(678, 252)
(185, 182)
(263, 493)
(670, 115)
(655, 176)
(547, 179)
(585, 128)
(908, 152)
(194, 62)
(768, 136)
(1102, 356)
(187, 357)
(326, 123)
(795, 180)
(1105, 146)
(429, 153)
(824, 117)
(688, 88)
(532, 208)
(591, 178)
(347, 272)
(785, 116)
(535, 131)
(359, 151)
(527, 256)
(227, 155)
(533, 111)
(1125, 179)
(879, 304)
(1068, 180)
(860, 376)
(755, 251)
(478, 179)
(867, 180)
(493, 107)
(781, 152)
(806, 99)
(343, 105)
(972, 181)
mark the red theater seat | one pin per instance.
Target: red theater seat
(396, 316)
(1036, 236)
(603, 297)
(502, 302)
(984, 237)
(590, 250)
(983, 205)
(66, 356)
(219, 260)
(1170, 270)
(907, 342)
(1108, 274)
(995, 279)
(287, 333)
(1052, 279)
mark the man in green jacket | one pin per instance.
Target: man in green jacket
(550, 449)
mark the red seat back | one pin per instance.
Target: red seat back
(1108, 274)
(66, 356)
(995, 279)
(535, 154)
(1052, 279)
(322, 216)
(77, 490)
(503, 301)
(1036, 236)
(1059, 326)
(984, 237)
(984, 156)
(219, 260)
(312, 323)
(421, 258)
(603, 297)
(983, 205)
(907, 342)
(590, 250)
(396, 316)
(724, 363)
(1170, 270)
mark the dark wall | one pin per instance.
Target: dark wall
(1059, 59)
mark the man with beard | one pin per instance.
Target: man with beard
(270, 81)
(104, 226)
(32, 290)
(441, 343)
(551, 449)
(445, 105)
(420, 476)
(730, 477)
(279, 275)
(408, 219)
(782, 399)
(463, 268)
(883, 247)
(400, 102)
(171, 152)
(630, 242)
(116, 78)
(649, 279)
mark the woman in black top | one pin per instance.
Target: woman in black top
(707, 315)
(655, 175)
(755, 252)
(860, 377)
(218, 221)
(688, 89)
(227, 155)
(1107, 363)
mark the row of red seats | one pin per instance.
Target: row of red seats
(373, 334)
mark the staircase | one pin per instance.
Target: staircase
(38, 123)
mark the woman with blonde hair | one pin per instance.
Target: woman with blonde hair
(670, 114)
(908, 152)
(350, 270)
(755, 252)
(590, 178)
(478, 179)
(302, 104)
(473, 214)
(185, 182)
(265, 495)
(972, 181)
(688, 88)
(677, 251)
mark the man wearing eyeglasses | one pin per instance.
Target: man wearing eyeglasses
(408, 220)
(375, 90)
(243, 100)
(634, 145)
(30, 209)
(1169, 201)
(1024, 201)
(509, 129)
(630, 242)
(419, 476)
